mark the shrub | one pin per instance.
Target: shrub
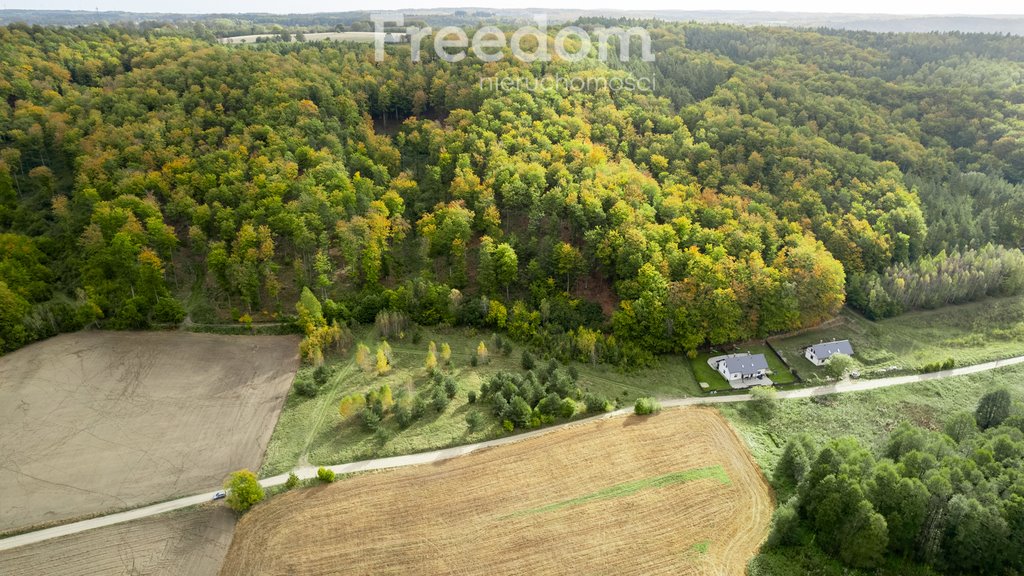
(993, 408)
(646, 405)
(473, 420)
(292, 481)
(946, 364)
(508, 426)
(305, 386)
(764, 400)
(244, 490)
(320, 376)
(324, 475)
(371, 420)
(473, 360)
(838, 366)
(168, 310)
(595, 403)
(472, 396)
(526, 361)
(439, 401)
(567, 409)
(450, 387)
(404, 415)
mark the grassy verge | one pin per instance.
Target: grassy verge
(868, 415)
(311, 431)
(970, 334)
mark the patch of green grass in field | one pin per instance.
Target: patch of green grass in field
(311, 431)
(701, 547)
(630, 488)
(970, 333)
(705, 373)
(868, 415)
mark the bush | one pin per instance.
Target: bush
(320, 376)
(595, 403)
(371, 420)
(244, 490)
(993, 408)
(450, 387)
(305, 386)
(508, 426)
(472, 396)
(526, 361)
(292, 481)
(646, 405)
(324, 475)
(946, 364)
(168, 310)
(473, 420)
(838, 366)
(763, 400)
(473, 360)
(439, 401)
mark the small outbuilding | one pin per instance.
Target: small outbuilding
(820, 353)
(743, 367)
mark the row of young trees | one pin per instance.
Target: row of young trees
(941, 280)
(952, 499)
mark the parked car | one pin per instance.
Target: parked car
(219, 495)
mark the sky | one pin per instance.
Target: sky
(975, 7)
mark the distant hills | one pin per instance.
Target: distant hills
(997, 24)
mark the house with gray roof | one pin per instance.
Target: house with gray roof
(820, 353)
(743, 366)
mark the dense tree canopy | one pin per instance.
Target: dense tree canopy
(147, 173)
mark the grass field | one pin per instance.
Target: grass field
(970, 334)
(705, 373)
(868, 415)
(192, 541)
(674, 493)
(310, 430)
(96, 421)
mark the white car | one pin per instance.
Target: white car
(220, 494)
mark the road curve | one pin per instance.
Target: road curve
(305, 472)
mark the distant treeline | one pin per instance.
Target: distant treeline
(933, 281)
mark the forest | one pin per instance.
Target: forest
(149, 175)
(950, 499)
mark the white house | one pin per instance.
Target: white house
(820, 353)
(744, 366)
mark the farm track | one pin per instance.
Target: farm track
(448, 453)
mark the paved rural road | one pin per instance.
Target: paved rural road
(449, 453)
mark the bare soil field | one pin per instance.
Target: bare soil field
(97, 421)
(675, 493)
(192, 542)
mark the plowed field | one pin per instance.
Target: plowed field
(676, 493)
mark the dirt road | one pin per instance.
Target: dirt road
(448, 453)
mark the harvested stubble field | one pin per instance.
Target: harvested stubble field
(96, 421)
(675, 493)
(185, 542)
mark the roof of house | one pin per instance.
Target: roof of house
(746, 364)
(828, 349)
